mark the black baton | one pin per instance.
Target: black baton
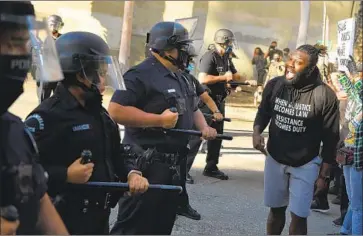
(194, 132)
(198, 133)
(211, 116)
(112, 186)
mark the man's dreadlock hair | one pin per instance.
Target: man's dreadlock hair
(313, 52)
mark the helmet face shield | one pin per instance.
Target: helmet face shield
(102, 71)
(25, 36)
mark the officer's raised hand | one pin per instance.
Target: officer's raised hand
(137, 183)
(78, 173)
(169, 119)
(8, 227)
(208, 133)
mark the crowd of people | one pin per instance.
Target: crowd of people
(70, 144)
(348, 90)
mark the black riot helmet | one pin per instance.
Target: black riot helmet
(18, 34)
(88, 55)
(55, 23)
(165, 36)
(226, 39)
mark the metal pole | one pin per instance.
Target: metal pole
(324, 24)
(304, 23)
(126, 34)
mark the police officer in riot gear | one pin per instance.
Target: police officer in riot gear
(23, 181)
(73, 121)
(55, 24)
(154, 87)
(216, 70)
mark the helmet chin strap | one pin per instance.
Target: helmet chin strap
(176, 62)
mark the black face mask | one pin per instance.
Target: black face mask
(13, 71)
(93, 99)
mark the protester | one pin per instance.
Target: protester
(285, 54)
(303, 112)
(260, 62)
(348, 154)
(276, 68)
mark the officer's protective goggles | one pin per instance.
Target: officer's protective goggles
(24, 36)
(102, 69)
(55, 25)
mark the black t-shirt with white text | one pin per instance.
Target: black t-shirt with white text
(299, 121)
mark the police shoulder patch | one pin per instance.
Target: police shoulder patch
(34, 122)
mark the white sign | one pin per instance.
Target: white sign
(346, 30)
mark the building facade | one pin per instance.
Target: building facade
(255, 23)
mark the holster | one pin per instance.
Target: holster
(151, 155)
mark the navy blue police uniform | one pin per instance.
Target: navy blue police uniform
(153, 88)
(63, 128)
(214, 64)
(23, 180)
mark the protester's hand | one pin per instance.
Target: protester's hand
(78, 173)
(258, 142)
(208, 133)
(8, 227)
(137, 183)
(169, 119)
(228, 76)
(218, 116)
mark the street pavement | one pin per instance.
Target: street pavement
(232, 207)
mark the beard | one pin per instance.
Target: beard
(302, 78)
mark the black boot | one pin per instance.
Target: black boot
(215, 173)
(189, 179)
(188, 212)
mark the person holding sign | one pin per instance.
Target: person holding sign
(303, 112)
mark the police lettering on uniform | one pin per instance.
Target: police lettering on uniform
(73, 121)
(23, 181)
(216, 70)
(154, 87)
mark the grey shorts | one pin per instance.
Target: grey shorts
(290, 186)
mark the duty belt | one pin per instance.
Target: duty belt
(84, 203)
